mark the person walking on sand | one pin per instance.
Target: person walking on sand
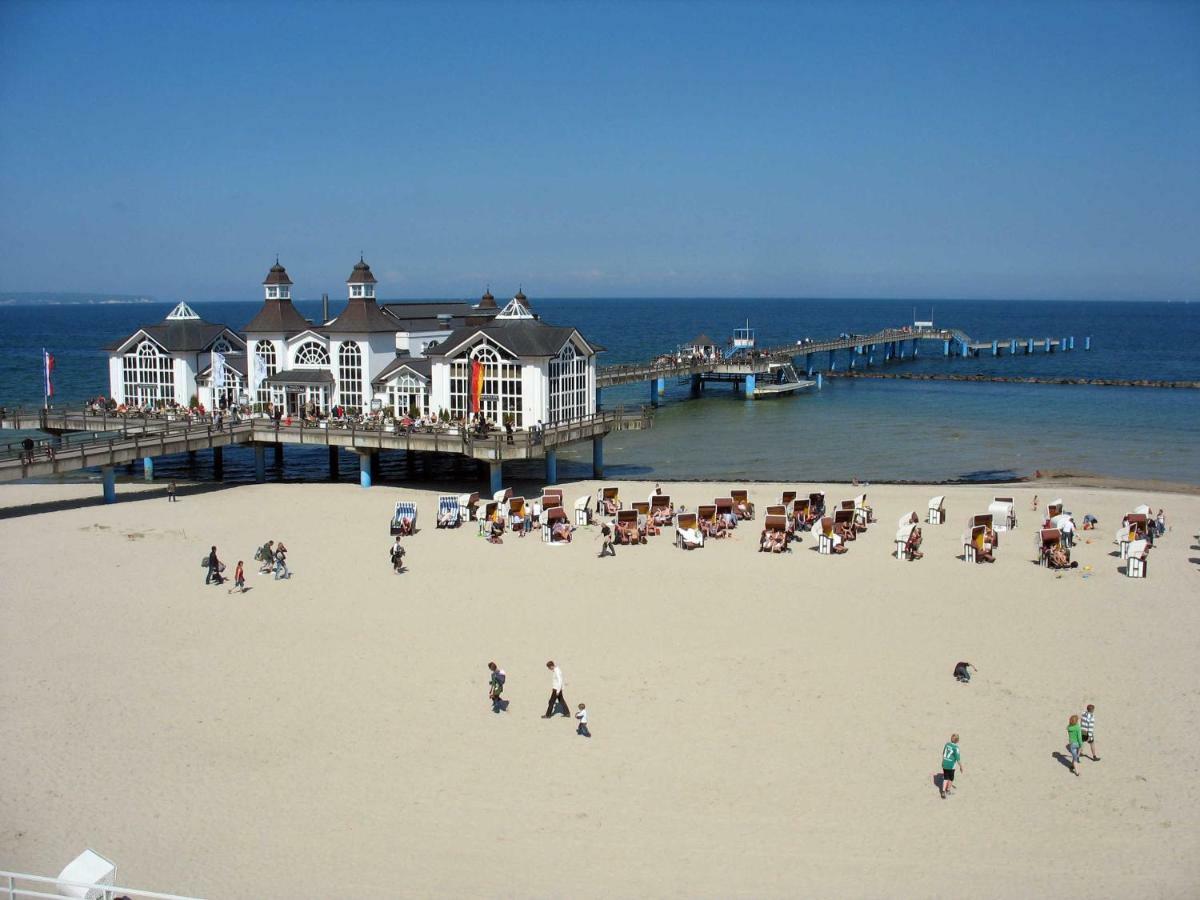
(951, 757)
(397, 555)
(607, 548)
(496, 687)
(171, 491)
(1034, 507)
(582, 717)
(1087, 724)
(214, 568)
(1074, 742)
(281, 569)
(556, 691)
(266, 555)
(239, 579)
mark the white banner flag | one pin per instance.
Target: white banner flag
(260, 370)
(218, 370)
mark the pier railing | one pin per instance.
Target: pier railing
(18, 886)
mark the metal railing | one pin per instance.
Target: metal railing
(10, 889)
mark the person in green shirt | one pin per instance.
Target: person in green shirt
(1074, 742)
(951, 757)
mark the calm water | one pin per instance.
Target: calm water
(873, 430)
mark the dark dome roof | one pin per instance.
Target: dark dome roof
(277, 275)
(361, 274)
(520, 295)
(487, 301)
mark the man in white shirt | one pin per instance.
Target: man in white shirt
(1068, 532)
(556, 691)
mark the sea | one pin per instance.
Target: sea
(870, 430)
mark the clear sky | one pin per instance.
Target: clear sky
(842, 149)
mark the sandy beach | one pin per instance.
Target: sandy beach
(763, 726)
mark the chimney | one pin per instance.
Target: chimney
(324, 308)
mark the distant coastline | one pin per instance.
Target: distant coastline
(59, 298)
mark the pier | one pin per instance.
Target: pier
(890, 345)
(107, 441)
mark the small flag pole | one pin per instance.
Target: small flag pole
(46, 378)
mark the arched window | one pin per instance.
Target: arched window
(312, 355)
(221, 346)
(264, 350)
(406, 393)
(501, 397)
(350, 379)
(568, 385)
(148, 375)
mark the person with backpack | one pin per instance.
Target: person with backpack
(214, 568)
(266, 556)
(397, 555)
(496, 687)
(281, 569)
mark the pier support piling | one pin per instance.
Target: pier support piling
(260, 463)
(599, 398)
(697, 385)
(946, 347)
(808, 364)
(366, 465)
(1087, 343)
(334, 463)
(279, 455)
(495, 476)
(551, 467)
(915, 354)
(1028, 346)
(656, 389)
(1072, 345)
(218, 463)
(748, 388)
(108, 479)
(148, 468)
(598, 457)
(818, 381)
(1012, 347)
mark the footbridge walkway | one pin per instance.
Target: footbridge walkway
(82, 439)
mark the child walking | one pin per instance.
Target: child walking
(239, 579)
(582, 717)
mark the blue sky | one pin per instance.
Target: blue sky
(603, 149)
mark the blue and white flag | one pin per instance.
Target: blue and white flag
(260, 369)
(218, 369)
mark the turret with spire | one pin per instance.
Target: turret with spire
(277, 285)
(361, 283)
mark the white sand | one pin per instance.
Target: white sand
(764, 726)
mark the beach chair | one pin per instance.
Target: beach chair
(844, 517)
(405, 510)
(826, 539)
(903, 536)
(706, 514)
(725, 507)
(583, 511)
(1143, 510)
(1010, 522)
(516, 510)
(551, 517)
(937, 510)
(801, 508)
(787, 497)
(608, 501)
(687, 531)
(777, 522)
(645, 525)
(88, 868)
(1002, 514)
(973, 542)
(1054, 508)
(503, 495)
(1132, 529)
(862, 512)
(741, 499)
(625, 518)
(551, 497)
(488, 516)
(449, 513)
(985, 519)
(468, 506)
(661, 508)
(817, 501)
(1049, 539)
(777, 510)
(1135, 562)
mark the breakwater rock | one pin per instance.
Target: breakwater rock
(1017, 379)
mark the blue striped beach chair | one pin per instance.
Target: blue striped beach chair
(449, 514)
(405, 509)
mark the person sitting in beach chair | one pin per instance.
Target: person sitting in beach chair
(742, 507)
(608, 503)
(449, 512)
(725, 512)
(774, 534)
(687, 535)
(661, 511)
(496, 531)
(913, 547)
(627, 528)
(710, 523)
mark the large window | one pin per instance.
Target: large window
(501, 395)
(568, 385)
(407, 393)
(149, 375)
(312, 356)
(265, 350)
(350, 379)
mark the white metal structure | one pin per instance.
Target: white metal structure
(20, 886)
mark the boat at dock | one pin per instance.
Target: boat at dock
(780, 379)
